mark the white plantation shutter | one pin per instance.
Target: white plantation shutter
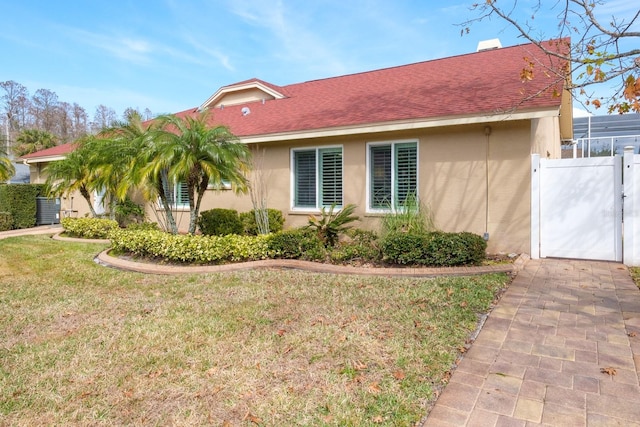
(393, 174)
(177, 194)
(182, 194)
(305, 179)
(380, 179)
(317, 177)
(406, 172)
(331, 176)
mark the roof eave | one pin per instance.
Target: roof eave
(400, 125)
(44, 159)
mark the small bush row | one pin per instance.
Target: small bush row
(435, 248)
(296, 243)
(89, 228)
(196, 249)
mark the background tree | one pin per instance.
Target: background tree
(193, 152)
(43, 111)
(6, 167)
(603, 48)
(44, 105)
(79, 121)
(31, 140)
(14, 98)
(104, 118)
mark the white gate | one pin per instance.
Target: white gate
(577, 208)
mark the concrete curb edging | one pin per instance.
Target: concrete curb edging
(103, 258)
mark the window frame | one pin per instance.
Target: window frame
(176, 189)
(394, 173)
(317, 150)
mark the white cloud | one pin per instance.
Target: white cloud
(292, 32)
(131, 49)
(218, 56)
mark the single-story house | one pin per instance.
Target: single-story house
(457, 131)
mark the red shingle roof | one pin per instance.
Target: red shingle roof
(482, 83)
(59, 150)
(476, 84)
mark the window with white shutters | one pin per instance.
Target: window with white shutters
(177, 195)
(392, 174)
(317, 177)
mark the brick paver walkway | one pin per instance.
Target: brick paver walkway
(540, 356)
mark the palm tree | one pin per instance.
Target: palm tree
(32, 140)
(73, 173)
(6, 167)
(192, 152)
(123, 160)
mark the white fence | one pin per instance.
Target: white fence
(586, 208)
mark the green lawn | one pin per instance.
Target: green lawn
(84, 344)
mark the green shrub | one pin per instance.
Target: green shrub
(128, 212)
(360, 245)
(220, 222)
(296, 243)
(143, 226)
(20, 201)
(250, 225)
(89, 228)
(192, 249)
(6, 221)
(437, 249)
(405, 248)
(449, 249)
(330, 225)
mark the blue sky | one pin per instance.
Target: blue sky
(170, 55)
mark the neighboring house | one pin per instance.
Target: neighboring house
(459, 132)
(604, 135)
(22, 175)
(38, 161)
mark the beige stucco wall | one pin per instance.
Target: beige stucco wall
(72, 204)
(456, 163)
(452, 177)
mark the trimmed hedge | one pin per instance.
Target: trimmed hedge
(89, 228)
(20, 201)
(6, 221)
(437, 249)
(250, 227)
(448, 249)
(220, 222)
(405, 248)
(193, 249)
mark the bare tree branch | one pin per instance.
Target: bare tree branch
(595, 51)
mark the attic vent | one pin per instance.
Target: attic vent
(245, 111)
(489, 45)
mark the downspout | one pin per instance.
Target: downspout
(487, 133)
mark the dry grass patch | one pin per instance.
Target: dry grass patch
(635, 275)
(85, 344)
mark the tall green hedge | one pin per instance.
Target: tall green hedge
(20, 201)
